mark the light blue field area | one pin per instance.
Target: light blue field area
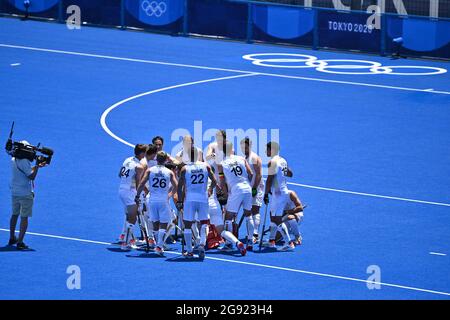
(369, 151)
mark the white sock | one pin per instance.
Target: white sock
(204, 234)
(229, 236)
(161, 233)
(169, 230)
(125, 225)
(273, 231)
(129, 233)
(188, 239)
(284, 232)
(294, 227)
(256, 221)
(250, 228)
(228, 226)
(195, 231)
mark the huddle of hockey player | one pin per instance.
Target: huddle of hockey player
(208, 191)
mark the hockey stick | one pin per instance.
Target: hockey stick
(143, 230)
(180, 216)
(262, 233)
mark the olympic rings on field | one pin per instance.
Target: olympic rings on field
(335, 66)
(154, 8)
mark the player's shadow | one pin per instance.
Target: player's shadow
(145, 255)
(234, 253)
(14, 249)
(265, 250)
(183, 259)
(115, 250)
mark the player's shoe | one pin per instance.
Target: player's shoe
(249, 247)
(201, 252)
(140, 242)
(288, 247)
(298, 241)
(152, 243)
(159, 251)
(241, 248)
(22, 246)
(255, 238)
(121, 238)
(189, 255)
(128, 246)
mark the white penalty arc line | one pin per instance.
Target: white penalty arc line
(114, 106)
(74, 53)
(320, 274)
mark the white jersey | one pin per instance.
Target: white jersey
(279, 185)
(159, 181)
(128, 173)
(196, 182)
(184, 155)
(236, 174)
(219, 155)
(150, 164)
(252, 159)
(289, 205)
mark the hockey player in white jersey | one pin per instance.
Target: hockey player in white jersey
(183, 156)
(257, 183)
(215, 149)
(193, 198)
(293, 216)
(162, 185)
(236, 172)
(130, 175)
(276, 184)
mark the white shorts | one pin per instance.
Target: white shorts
(259, 198)
(278, 203)
(194, 210)
(215, 213)
(238, 199)
(127, 196)
(160, 211)
(298, 217)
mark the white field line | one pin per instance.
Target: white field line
(370, 194)
(114, 106)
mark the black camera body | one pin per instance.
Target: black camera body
(19, 150)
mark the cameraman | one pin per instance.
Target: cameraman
(23, 175)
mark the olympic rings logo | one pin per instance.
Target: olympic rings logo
(154, 8)
(336, 66)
